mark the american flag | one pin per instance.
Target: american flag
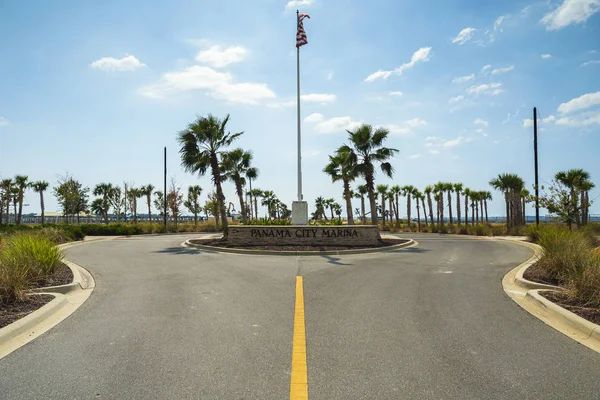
(301, 35)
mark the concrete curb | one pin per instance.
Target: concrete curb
(213, 249)
(68, 298)
(526, 294)
(588, 330)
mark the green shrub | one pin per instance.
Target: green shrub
(565, 253)
(25, 259)
(585, 286)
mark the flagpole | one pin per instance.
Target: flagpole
(299, 127)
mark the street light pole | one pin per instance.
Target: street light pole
(535, 156)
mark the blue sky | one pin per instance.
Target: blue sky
(98, 88)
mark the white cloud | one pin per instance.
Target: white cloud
(4, 121)
(461, 79)
(485, 68)
(584, 119)
(127, 63)
(580, 103)
(496, 92)
(485, 88)
(453, 142)
(398, 94)
(464, 36)
(318, 98)
(314, 118)
(504, 70)
(456, 99)
(398, 129)
(570, 12)
(337, 124)
(528, 123)
(415, 122)
(219, 85)
(415, 156)
(481, 122)
(433, 151)
(297, 3)
(219, 57)
(546, 56)
(585, 64)
(498, 22)
(418, 56)
(330, 76)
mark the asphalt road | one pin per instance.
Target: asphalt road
(430, 322)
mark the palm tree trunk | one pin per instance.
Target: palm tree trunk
(255, 208)
(397, 210)
(149, 200)
(42, 207)
(15, 203)
(424, 210)
(370, 182)
(466, 209)
(524, 219)
(486, 211)
(472, 212)
(430, 203)
(20, 206)
(450, 205)
(348, 202)
(383, 210)
(362, 209)
(240, 192)
(418, 217)
(477, 212)
(481, 209)
(214, 163)
(442, 209)
(458, 207)
(408, 207)
(507, 210)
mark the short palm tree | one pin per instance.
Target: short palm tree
(440, 188)
(40, 187)
(510, 185)
(22, 184)
(422, 198)
(251, 175)
(418, 196)
(362, 191)
(428, 190)
(396, 190)
(408, 191)
(466, 193)
(449, 188)
(255, 194)
(329, 203)
(192, 203)
(202, 143)
(341, 168)
(458, 187)
(382, 190)
(269, 200)
(104, 190)
(525, 198)
(584, 188)
(134, 195)
(366, 150)
(235, 165)
(147, 191)
(320, 204)
(5, 197)
(572, 179)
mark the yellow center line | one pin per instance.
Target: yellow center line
(299, 380)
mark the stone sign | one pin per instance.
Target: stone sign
(286, 235)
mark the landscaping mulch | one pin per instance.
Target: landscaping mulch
(573, 305)
(12, 312)
(224, 243)
(539, 275)
(62, 275)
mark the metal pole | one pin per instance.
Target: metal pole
(165, 193)
(535, 156)
(299, 128)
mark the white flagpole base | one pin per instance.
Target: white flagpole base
(299, 213)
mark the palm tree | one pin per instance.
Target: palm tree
(396, 192)
(22, 184)
(458, 187)
(466, 193)
(362, 191)
(40, 187)
(428, 191)
(251, 174)
(422, 198)
(438, 197)
(329, 205)
(320, 204)
(440, 188)
(418, 196)
(268, 200)
(510, 185)
(341, 168)
(134, 194)
(202, 143)
(382, 190)
(14, 191)
(147, 191)
(365, 151)
(6, 185)
(475, 198)
(524, 200)
(449, 188)
(256, 193)
(235, 165)
(97, 207)
(584, 188)
(105, 190)
(573, 179)
(192, 202)
(408, 192)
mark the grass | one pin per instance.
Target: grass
(25, 259)
(572, 259)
